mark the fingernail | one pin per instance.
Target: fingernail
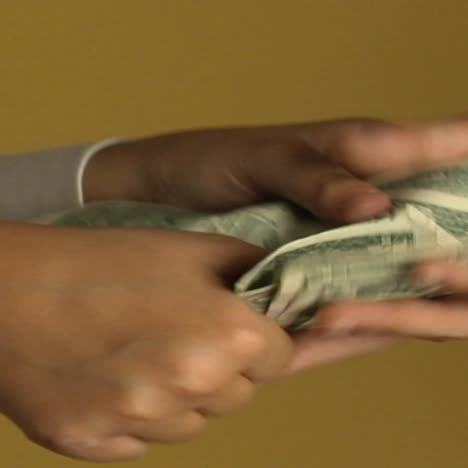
(429, 277)
(432, 274)
(366, 204)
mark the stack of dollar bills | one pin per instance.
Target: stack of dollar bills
(313, 264)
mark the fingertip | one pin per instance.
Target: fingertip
(431, 273)
(442, 274)
(365, 205)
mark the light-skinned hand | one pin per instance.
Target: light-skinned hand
(113, 339)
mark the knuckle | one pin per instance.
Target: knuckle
(192, 428)
(235, 339)
(195, 430)
(349, 138)
(243, 330)
(139, 402)
(245, 340)
(240, 395)
(284, 151)
(197, 378)
(66, 438)
(348, 142)
(330, 185)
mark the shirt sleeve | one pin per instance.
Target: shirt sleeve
(37, 183)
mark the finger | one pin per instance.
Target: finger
(321, 186)
(232, 258)
(417, 318)
(121, 448)
(449, 275)
(312, 350)
(178, 428)
(370, 148)
(204, 364)
(236, 394)
(222, 255)
(443, 142)
(268, 350)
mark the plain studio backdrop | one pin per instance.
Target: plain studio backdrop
(77, 71)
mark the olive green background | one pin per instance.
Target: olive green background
(73, 71)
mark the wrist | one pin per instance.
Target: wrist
(116, 172)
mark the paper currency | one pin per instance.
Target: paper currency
(313, 264)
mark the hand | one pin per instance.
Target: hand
(437, 320)
(133, 337)
(321, 166)
(113, 339)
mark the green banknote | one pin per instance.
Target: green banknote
(313, 264)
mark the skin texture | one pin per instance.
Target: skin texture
(132, 336)
(325, 167)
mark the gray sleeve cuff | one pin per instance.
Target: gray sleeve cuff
(38, 183)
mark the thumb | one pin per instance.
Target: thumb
(321, 186)
(229, 258)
